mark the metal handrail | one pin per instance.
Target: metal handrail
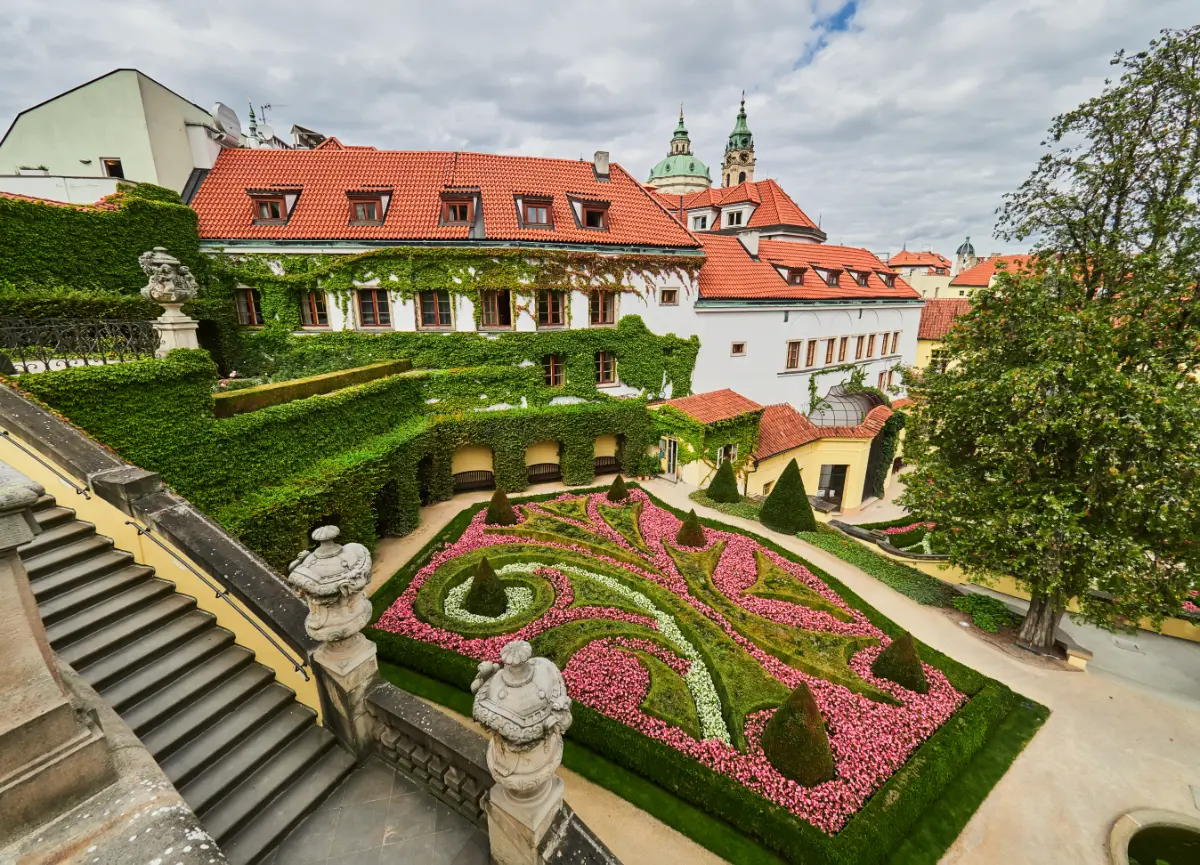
(79, 491)
(223, 595)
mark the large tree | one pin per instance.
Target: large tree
(1061, 446)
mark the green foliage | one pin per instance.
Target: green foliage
(901, 664)
(959, 756)
(252, 398)
(691, 533)
(987, 613)
(486, 596)
(699, 441)
(723, 487)
(74, 303)
(617, 492)
(795, 741)
(94, 248)
(787, 508)
(892, 428)
(500, 512)
(906, 580)
(746, 508)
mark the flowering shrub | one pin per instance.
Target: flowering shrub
(704, 618)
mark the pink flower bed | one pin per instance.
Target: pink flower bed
(899, 530)
(870, 740)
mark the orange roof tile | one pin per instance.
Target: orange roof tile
(714, 406)
(730, 272)
(906, 258)
(844, 258)
(981, 274)
(774, 206)
(418, 178)
(783, 428)
(939, 314)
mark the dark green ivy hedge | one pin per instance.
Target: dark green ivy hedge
(871, 834)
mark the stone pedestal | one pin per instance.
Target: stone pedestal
(51, 754)
(331, 580)
(175, 330)
(516, 828)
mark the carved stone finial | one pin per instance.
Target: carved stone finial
(331, 580)
(525, 707)
(170, 282)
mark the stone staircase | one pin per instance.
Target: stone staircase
(248, 758)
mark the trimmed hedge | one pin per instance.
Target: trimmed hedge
(723, 487)
(277, 393)
(906, 580)
(879, 827)
(900, 663)
(787, 508)
(795, 741)
(73, 303)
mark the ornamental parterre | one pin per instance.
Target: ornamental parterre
(692, 647)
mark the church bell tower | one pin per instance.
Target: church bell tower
(738, 165)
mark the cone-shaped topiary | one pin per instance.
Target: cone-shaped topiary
(795, 741)
(787, 508)
(486, 596)
(499, 511)
(617, 492)
(691, 533)
(723, 487)
(901, 664)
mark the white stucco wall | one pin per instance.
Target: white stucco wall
(76, 190)
(124, 116)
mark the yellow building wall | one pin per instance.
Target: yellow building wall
(541, 452)
(925, 350)
(472, 458)
(809, 458)
(111, 522)
(606, 446)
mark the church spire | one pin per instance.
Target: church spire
(681, 145)
(738, 165)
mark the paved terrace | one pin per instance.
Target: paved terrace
(1124, 735)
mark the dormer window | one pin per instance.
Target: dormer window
(535, 213)
(889, 279)
(366, 211)
(796, 276)
(830, 277)
(269, 211)
(699, 223)
(595, 217)
(457, 211)
(859, 277)
(734, 218)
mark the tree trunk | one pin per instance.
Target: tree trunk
(1045, 612)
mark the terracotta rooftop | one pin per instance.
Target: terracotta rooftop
(981, 274)
(783, 428)
(102, 204)
(416, 181)
(939, 314)
(714, 406)
(906, 258)
(774, 206)
(729, 271)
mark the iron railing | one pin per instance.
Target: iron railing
(41, 344)
(79, 491)
(146, 532)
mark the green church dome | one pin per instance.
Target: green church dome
(680, 165)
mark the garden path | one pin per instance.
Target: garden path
(1109, 746)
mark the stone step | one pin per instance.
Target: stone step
(53, 516)
(115, 607)
(271, 824)
(168, 701)
(55, 537)
(51, 560)
(126, 631)
(52, 584)
(184, 761)
(147, 649)
(169, 668)
(92, 592)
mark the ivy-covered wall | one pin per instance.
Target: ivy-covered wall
(698, 441)
(366, 455)
(47, 246)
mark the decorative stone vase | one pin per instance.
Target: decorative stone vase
(171, 285)
(331, 580)
(525, 707)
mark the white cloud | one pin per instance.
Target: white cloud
(903, 122)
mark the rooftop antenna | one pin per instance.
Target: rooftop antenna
(253, 121)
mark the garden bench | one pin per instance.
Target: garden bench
(540, 473)
(474, 480)
(607, 465)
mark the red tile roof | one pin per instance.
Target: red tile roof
(794, 255)
(783, 428)
(939, 314)
(717, 405)
(417, 180)
(774, 206)
(906, 258)
(102, 204)
(981, 274)
(730, 272)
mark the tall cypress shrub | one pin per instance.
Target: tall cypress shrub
(618, 491)
(499, 511)
(787, 509)
(901, 664)
(795, 741)
(486, 596)
(723, 487)
(691, 533)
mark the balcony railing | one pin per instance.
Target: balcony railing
(37, 345)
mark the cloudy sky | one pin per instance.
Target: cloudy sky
(892, 121)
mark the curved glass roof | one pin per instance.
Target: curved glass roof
(839, 408)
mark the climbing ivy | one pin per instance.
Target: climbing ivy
(890, 434)
(698, 441)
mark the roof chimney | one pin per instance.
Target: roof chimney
(749, 240)
(601, 165)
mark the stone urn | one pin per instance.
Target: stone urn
(331, 580)
(525, 707)
(171, 285)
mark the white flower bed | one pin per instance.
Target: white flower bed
(698, 679)
(520, 598)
